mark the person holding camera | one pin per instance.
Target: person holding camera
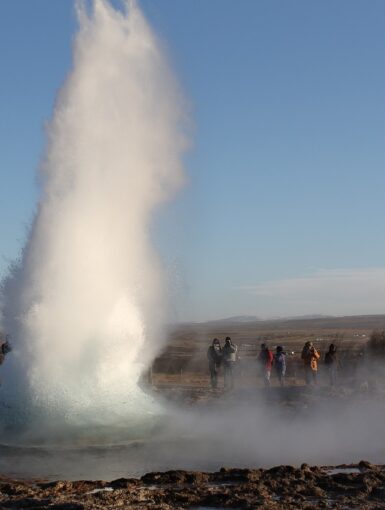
(214, 355)
(230, 358)
(310, 357)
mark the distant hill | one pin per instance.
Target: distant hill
(248, 330)
(305, 317)
(367, 322)
(236, 318)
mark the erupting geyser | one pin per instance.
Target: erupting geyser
(84, 306)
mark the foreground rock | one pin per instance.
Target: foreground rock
(282, 487)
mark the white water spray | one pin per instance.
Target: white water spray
(85, 306)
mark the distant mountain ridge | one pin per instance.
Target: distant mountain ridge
(374, 321)
(238, 318)
(254, 318)
(308, 316)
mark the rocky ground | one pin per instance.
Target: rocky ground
(345, 487)
(283, 487)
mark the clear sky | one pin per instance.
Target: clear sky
(284, 208)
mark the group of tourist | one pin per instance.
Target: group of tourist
(311, 357)
(227, 357)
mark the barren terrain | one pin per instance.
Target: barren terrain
(180, 374)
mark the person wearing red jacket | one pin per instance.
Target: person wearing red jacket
(265, 359)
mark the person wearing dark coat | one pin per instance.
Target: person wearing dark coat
(280, 364)
(214, 355)
(331, 362)
(230, 357)
(5, 348)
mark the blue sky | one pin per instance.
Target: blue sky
(283, 211)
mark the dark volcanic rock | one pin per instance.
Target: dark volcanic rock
(363, 464)
(26, 503)
(174, 477)
(278, 488)
(67, 506)
(123, 483)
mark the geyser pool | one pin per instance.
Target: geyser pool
(85, 304)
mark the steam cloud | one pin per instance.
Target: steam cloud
(85, 305)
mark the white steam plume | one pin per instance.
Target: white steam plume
(85, 305)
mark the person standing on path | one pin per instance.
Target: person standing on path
(310, 357)
(265, 359)
(280, 364)
(214, 355)
(230, 356)
(331, 362)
